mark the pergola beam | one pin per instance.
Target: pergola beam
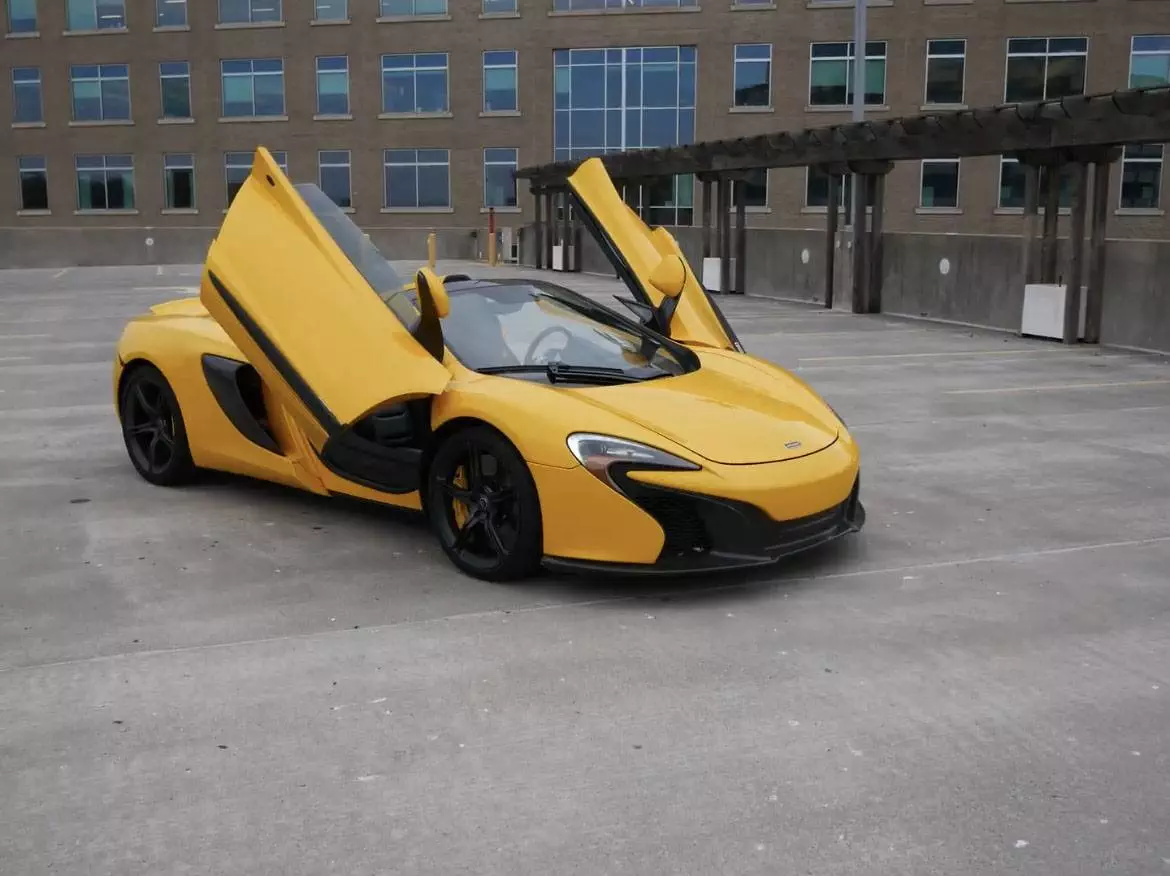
(1100, 120)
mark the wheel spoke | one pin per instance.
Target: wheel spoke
(143, 429)
(167, 438)
(474, 469)
(500, 497)
(145, 406)
(152, 450)
(457, 494)
(464, 535)
(493, 535)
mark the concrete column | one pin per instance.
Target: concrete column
(724, 233)
(1048, 247)
(566, 234)
(1097, 248)
(1031, 214)
(1072, 300)
(877, 198)
(538, 228)
(740, 237)
(831, 238)
(860, 239)
(549, 228)
(706, 217)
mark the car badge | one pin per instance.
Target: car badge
(791, 445)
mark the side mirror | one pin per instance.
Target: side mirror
(432, 290)
(669, 276)
(433, 305)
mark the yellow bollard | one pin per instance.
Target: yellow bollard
(431, 248)
(491, 246)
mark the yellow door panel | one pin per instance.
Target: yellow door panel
(306, 312)
(696, 318)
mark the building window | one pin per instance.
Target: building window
(417, 178)
(414, 83)
(333, 176)
(1141, 177)
(831, 74)
(253, 88)
(1045, 68)
(22, 16)
(333, 85)
(1012, 184)
(238, 166)
(945, 64)
(105, 182)
(1149, 61)
(175, 82)
(95, 14)
(499, 186)
(940, 183)
(755, 189)
(816, 190)
(34, 182)
(27, 105)
(331, 10)
(753, 75)
(170, 13)
(617, 5)
(500, 82)
(411, 8)
(611, 100)
(499, 7)
(249, 11)
(101, 92)
(179, 177)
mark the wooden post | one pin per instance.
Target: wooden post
(1097, 248)
(1072, 298)
(1048, 248)
(724, 234)
(1031, 214)
(877, 198)
(859, 244)
(538, 228)
(740, 237)
(707, 217)
(831, 238)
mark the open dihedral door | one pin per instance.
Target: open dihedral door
(317, 311)
(635, 252)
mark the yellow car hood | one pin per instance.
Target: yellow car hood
(720, 418)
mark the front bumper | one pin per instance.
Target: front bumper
(709, 534)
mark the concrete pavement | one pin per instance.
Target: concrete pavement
(236, 678)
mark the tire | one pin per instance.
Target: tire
(486, 517)
(153, 428)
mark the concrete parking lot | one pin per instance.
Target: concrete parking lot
(234, 678)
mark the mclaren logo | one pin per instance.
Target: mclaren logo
(791, 445)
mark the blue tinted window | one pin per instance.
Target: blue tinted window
(22, 16)
(415, 83)
(27, 103)
(253, 87)
(100, 92)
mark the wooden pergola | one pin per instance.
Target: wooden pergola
(1081, 132)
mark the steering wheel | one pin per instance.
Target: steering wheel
(529, 358)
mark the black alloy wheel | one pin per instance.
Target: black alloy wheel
(483, 505)
(153, 428)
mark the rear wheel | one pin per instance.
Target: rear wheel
(153, 428)
(483, 505)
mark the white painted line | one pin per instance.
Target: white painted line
(61, 273)
(22, 337)
(158, 271)
(14, 358)
(1054, 387)
(950, 354)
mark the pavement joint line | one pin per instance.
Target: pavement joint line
(1013, 352)
(993, 418)
(1057, 386)
(609, 600)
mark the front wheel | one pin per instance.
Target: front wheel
(153, 428)
(483, 505)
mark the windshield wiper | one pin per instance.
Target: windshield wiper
(559, 372)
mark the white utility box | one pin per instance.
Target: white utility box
(562, 256)
(1044, 310)
(712, 281)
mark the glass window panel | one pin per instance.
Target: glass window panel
(81, 15)
(940, 184)
(22, 18)
(1025, 79)
(331, 10)
(498, 7)
(170, 13)
(1141, 177)
(1066, 77)
(1149, 71)
(269, 95)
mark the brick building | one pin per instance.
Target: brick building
(134, 114)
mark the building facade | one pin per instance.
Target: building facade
(413, 113)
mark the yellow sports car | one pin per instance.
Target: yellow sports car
(529, 423)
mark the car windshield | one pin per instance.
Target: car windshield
(523, 327)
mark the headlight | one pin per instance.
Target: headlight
(598, 452)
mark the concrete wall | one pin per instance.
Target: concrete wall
(50, 247)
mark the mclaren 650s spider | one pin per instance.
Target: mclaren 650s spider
(531, 425)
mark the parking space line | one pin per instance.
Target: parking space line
(951, 353)
(1054, 387)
